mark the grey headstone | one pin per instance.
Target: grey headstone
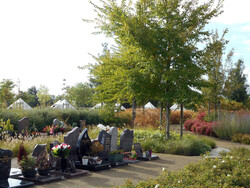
(83, 144)
(126, 140)
(105, 139)
(39, 149)
(5, 163)
(56, 122)
(114, 135)
(71, 139)
(138, 149)
(23, 124)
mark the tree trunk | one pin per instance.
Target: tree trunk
(161, 114)
(167, 120)
(181, 119)
(133, 112)
(215, 110)
(219, 111)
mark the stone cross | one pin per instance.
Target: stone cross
(23, 124)
(71, 139)
(114, 135)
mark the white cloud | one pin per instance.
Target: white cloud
(245, 28)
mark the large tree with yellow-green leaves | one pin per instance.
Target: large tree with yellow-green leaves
(156, 54)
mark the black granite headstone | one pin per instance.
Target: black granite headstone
(105, 139)
(138, 149)
(5, 163)
(126, 140)
(83, 144)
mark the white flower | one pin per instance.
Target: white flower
(156, 186)
(223, 161)
(179, 181)
(228, 175)
(214, 166)
(231, 157)
(163, 169)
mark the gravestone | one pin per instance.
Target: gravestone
(71, 139)
(23, 124)
(82, 124)
(138, 149)
(39, 149)
(114, 135)
(83, 145)
(105, 139)
(126, 140)
(56, 122)
(5, 164)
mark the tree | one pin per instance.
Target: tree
(236, 83)
(43, 95)
(33, 99)
(157, 45)
(216, 75)
(6, 92)
(80, 95)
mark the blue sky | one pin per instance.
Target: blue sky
(43, 42)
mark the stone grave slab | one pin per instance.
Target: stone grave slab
(126, 140)
(114, 136)
(69, 174)
(15, 172)
(5, 164)
(39, 149)
(141, 156)
(105, 139)
(23, 124)
(83, 145)
(118, 164)
(71, 138)
(11, 182)
(97, 167)
(39, 180)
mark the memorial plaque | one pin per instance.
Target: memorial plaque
(105, 139)
(126, 140)
(83, 145)
(138, 149)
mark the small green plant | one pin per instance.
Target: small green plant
(28, 163)
(116, 152)
(7, 126)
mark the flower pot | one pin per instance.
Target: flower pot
(43, 172)
(116, 157)
(99, 162)
(29, 173)
(85, 161)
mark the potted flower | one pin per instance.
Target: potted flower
(27, 166)
(116, 156)
(61, 151)
(43, 164)
(147, 147)
(85, 160)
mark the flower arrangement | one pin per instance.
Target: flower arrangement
(61, 150)
(96, 148)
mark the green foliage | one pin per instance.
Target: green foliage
(28, 163)
(241, 138)
(231, 124)
(231, 105)
(188, 145)
(6, 93)
(232, 170)
(7, 126)
(43, 95)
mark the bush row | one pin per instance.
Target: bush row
(41, 118)
(232, 170)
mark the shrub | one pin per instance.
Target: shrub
(232, 170)
(241, 138)
(233, 123)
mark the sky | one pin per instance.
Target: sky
(43, 42)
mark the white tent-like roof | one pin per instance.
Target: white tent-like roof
(176, 107)
(62, 104)
(99, 105)
(20, 104)
(149, 105)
